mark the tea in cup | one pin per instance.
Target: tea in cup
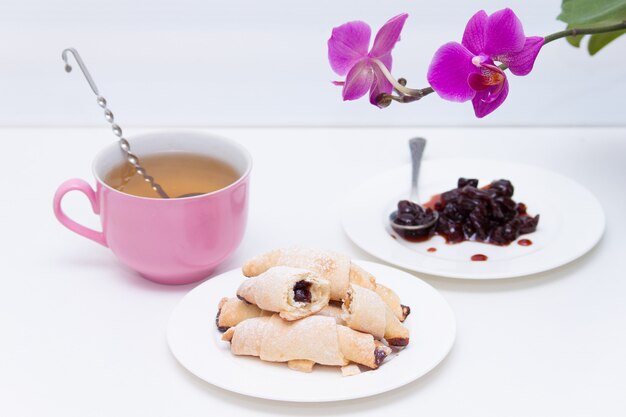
(175, 240)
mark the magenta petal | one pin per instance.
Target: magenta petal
(504, 33)
(347, 45)
(521, 63)
(358, 81)
(474, 35)
(484, 104)
(380, 85)
(449, 70)
(388, 35)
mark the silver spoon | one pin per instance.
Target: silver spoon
(108, 115)
(417, 146)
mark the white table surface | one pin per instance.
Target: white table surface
(83, 336)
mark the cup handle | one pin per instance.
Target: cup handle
(83, 187)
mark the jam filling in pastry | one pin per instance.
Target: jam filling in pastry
(328, 265)
(294, 293)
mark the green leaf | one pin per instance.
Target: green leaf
(575, 40)
(592, 11)
(600, 40)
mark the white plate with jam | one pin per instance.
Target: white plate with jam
(571, 221)
(196, 343)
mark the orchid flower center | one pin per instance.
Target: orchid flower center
(492, 75)
(490, 79)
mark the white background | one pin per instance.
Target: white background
(264, 63)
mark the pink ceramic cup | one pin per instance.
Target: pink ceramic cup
(170, 241)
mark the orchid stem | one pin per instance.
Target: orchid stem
(585, 31)
(408, 95)
(399, 87)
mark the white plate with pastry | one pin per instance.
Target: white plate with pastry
(199, 346)
(571, 220)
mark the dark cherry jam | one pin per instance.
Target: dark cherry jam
(479, 257)
(411, 214)
(217, 322)
(488, 214)
(524, 242)
(379, 356)
(431, 250)
(302, 292)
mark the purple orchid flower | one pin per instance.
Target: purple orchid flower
(348, 55)
(467, 71)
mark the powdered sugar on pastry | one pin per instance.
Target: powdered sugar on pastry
(327, 264)
(334, 311)
(315, 338)
(365, 311)
(336, 268)
(292, 292)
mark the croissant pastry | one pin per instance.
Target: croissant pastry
(331, 266)
(334, 310)
(232, 311)
(365, 311)
(336, 268)
(301, 365)
(318, 339)
(294, 293)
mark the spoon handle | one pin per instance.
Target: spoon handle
(108, 115)
(417, 146)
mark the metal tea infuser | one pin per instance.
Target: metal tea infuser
(108, 115)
